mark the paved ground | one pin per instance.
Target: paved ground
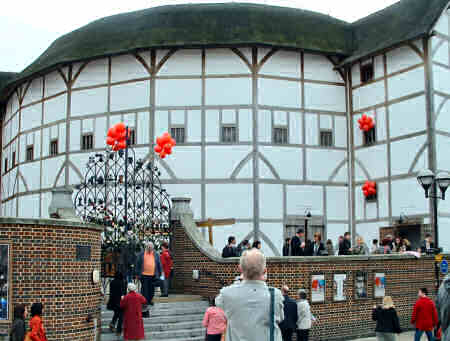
(407, 336)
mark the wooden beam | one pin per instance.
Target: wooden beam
(210, 223)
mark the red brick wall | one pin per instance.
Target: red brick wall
(45, 269)
(338, 320)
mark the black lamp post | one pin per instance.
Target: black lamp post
(427, 180)
(307, 216)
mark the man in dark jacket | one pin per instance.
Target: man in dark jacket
(149, 270)
(230, 249)
(300, 246)
(427, 245)
(289, 324)
(287, 247)
(345, 248)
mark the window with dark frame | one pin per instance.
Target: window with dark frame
(229, 134)
(131, 136)
(367, 71)
(178, 134)
(280, 135)
(6, 165)
(326, 138)
(87, 142)
(370, 137)
(30, 153)
(13, 162)
(53, 147)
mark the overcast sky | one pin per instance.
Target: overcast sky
(28, 27)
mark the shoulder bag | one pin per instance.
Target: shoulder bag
(272, 314)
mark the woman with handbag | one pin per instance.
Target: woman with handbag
(37, 331)
(18, 329)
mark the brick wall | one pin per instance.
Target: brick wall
(338, 320)
(45, 269)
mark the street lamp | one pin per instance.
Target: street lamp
(427, 179)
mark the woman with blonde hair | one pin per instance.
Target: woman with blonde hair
(387, 320)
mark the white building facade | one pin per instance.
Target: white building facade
(265, 133)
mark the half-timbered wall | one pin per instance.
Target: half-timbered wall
(440, 51)
(254, 180)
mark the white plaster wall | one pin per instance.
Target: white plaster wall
(408, 193)
(334, 231)
(401, 58)
(61, 128)
(337, 202)
(54, 84)
(178, 92)
(356, 75)
(130, 96)
(245, 125)
(442, 26)
(228, 91)
(403, 153)
(442, 152)
(407, 117)
(46, 199)
(95, 73)
(87, 102)
(212, 126)
(31, 173)
(75, 133)
(311, 129)
(359, 203)
(317, 67)
(161, 122)
(100, 132)
(14, 103)
(50, 169)
(378, 66)
(221, 161)
(264, 126)
(282, 63)
(295, 128)
(325, 122)
(374, 160)
(325, 97)
(441, 55)
(246, 172)
(320, 164)
(301, 197)
(192, 191)
(143, 123)
(340, 132)
(55, 109)
(216, 59)
(406, 83)
(183, 156)
(183, 62)
(443, 118)
(29, 206)
(383, 199)
(31, 117)
(342, 174)
(279, 93)
(127, 67)
(274, 231)
(229, 201)
(370, 231)
(271, 201)
(444, 233)
(194, 126)
(368, 95)
(34, 92)
(279, 157)
(440, 78)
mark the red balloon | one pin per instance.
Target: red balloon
(165, 134)
(162, 155)
(165, 139)
(122, 136)
(169, 151)
(115, 148)
(366, 127)
(167, 147)
(120, 127)
(110, 141)
(158, 149)
(366, 193)
(173, 142)
(159, 141)
(122, 145)
(364, 116)
(112, 132)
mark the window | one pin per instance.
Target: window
(367, 71)
(229, 134)
(54, 147)
(326, 138)
(30, 153)
(131, 136)
(370, 137)
(6, 165)
(178, 134)
(13, 162)
(280, 135)
(87, 141)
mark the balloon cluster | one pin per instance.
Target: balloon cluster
(164, 145)
(366, 123)
(369, 189)
(117, 136)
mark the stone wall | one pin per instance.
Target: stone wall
(404, 276)
(45, 269)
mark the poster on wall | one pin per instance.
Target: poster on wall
(339, 281)
(379, 285)
(317, 288)
(361, 285)
(4, 282)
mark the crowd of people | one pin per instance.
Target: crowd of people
(299, 245)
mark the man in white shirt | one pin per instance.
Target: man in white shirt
(247, 304)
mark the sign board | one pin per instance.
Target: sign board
(444, 267)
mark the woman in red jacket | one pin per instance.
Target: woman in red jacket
(424, 316)
(37, 332)
(131, 305)
(167, 264)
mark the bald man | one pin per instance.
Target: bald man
(247, 304)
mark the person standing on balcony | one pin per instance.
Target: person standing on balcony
(230, 249)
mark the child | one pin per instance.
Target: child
(305, 318)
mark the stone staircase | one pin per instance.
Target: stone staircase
(176, 318)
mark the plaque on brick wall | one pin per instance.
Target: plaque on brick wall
(379, 285)
(360, 285)
(339, 287)
(5, 274)
(83, 252)
(317, 288)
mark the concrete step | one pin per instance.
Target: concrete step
(112, 337)
(166, 312)
(184, 333)
(151, 327)
(163, 319)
